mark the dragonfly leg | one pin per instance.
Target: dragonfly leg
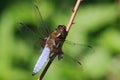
(42, 42)
(58, 51)
(60, 54)
(47, 32)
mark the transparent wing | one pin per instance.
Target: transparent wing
(75, 52)
(42, 27)
(35, 34)
(29, 34)
(42, 59)
(77, 44)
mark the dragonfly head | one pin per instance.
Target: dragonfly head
(62, 30)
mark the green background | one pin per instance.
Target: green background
(97, 23)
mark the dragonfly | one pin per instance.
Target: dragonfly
(53, 44)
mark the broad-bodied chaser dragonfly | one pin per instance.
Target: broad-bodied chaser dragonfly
(53, 44)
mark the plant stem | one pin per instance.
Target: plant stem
(73, 15)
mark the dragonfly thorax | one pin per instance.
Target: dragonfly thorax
(57, 37)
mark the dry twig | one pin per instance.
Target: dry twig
(73, 15)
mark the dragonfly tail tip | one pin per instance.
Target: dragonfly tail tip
(33, 73)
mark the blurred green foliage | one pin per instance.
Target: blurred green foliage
(97, 23)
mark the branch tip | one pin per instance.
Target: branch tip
(73, 15)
